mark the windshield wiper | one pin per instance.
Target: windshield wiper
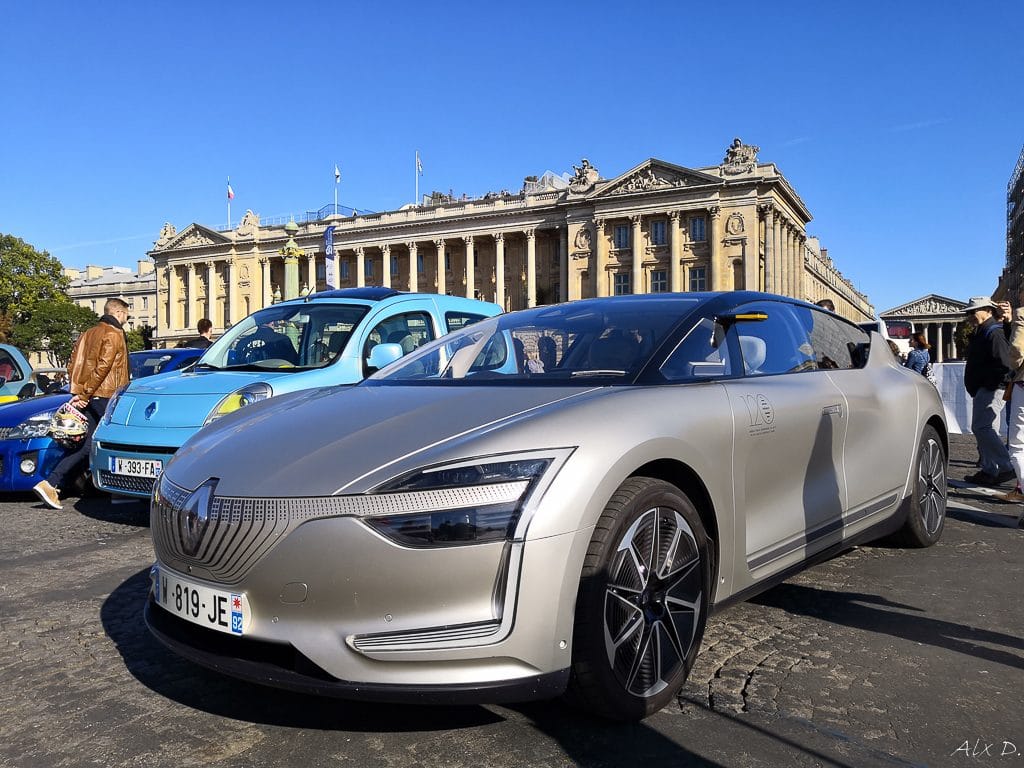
(598, 372)
(204, 366)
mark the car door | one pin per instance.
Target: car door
(789, 423)
(410, 328)
(881, 431)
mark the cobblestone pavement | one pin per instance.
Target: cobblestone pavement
(881, 656)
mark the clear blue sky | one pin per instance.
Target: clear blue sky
(899, 123)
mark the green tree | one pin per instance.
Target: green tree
(136, 339)
(52, 327)
(27, 277)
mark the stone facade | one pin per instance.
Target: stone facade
(657, 227)
(937, 317)
(92, 286)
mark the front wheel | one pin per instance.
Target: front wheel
(642, 603)
(927, 515)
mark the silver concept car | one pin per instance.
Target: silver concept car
(548, 501)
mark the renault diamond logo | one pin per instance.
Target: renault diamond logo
(194, 517)
(151, 409)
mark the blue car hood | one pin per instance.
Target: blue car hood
(12, 414)
(200, 382)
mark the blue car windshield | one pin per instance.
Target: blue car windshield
(286, 337)
(601, 341)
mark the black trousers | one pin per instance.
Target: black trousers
(77, 461)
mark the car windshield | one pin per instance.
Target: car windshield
(152, 362)
(602, 341)
(286, 337)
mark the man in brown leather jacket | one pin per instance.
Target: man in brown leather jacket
(98, 368)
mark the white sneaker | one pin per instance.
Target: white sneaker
(47, 494)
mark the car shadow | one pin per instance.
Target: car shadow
(872, 613)
(586, 740)
(127, 511)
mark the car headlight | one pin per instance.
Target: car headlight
(108, 413)
(469, 502)
(247, 395)
(33, 426)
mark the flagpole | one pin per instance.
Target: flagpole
(416, 174)
(229, 204)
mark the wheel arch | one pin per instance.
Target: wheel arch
(683, 477)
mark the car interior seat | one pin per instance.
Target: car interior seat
(404, 338)
(754, 353)
(335, 344)
(614, 352)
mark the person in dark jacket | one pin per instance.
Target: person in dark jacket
(986, 372)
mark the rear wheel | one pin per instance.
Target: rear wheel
(642, 602)
(927, 515)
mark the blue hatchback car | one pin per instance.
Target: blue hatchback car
(325, 339)
(28, 454)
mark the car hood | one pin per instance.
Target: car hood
(199, 382)
(12, 414)
(326, 441)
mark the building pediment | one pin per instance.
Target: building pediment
(654, 176)
(932, 304)
(194, 236)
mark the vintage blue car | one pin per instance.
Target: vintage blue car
(331, 338)
(28, 455)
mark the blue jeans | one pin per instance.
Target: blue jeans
(986, 409)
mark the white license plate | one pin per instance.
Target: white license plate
(121, 465)
(211, 608)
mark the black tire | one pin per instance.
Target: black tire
(926, 516)
(637, 633)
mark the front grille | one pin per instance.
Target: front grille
(109, 480)
(5, 431)
(125, 448)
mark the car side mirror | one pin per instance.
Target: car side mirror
(741, 317)
(707, 370)
(383, 355)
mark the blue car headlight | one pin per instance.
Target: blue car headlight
(33, 426)
(247, 395)
(469, 502)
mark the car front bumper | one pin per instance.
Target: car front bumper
(38, 455)
(384, 622)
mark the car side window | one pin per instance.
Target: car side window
(410, 330)
(456, 320)
(779, 343)
(835, 341)
(8, 368)
(701, 354)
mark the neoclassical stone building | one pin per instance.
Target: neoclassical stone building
(656, 227)
(937, 317)
(92, 286)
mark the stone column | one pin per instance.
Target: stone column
(470, 266)
(211, 281)
(531, 268)
(801, 264)
(778, 282)
(563, 264)
(190, 299)
(439, 244)
(360, 267)
(311, 272)
(499, 269)
(714, 268)
(413, 262)
(291, 276)
(600, 281)
(637, 278)
(265, 281)
(675, 251)
(231, 299)
(172, 297)
(385, 265)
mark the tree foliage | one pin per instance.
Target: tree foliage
(137, 339)
(52, 327)
(27, 277)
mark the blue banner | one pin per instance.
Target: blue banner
(329, 242)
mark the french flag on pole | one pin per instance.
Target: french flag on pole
(231, 192)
